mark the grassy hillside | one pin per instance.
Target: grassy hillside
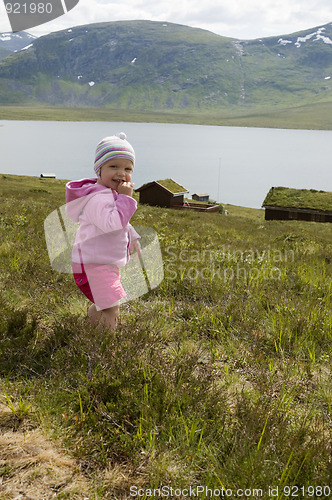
(4, 53)
(220, 377)
(145, 66)
(318, 116)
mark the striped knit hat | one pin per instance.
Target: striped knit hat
(115, 146)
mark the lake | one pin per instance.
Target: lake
(234, 165)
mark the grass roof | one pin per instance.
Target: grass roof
(299, 198)
(172, 186)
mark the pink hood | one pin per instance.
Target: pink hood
(104, 234)
(78, 193)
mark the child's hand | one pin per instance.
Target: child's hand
(135, 245)
(125, 188)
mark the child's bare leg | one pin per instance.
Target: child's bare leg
(93, 314)
(109, 317)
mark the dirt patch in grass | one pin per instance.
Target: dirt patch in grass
(32, 467)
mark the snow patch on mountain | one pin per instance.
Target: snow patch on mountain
(303, 39)
(4, 37)
(325, 39)
(25, 48)
(14, 42)
(318, 35)
(284, 42)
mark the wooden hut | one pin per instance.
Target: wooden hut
(47, 176)
(282, 203)
(201, 197)
(164, 193)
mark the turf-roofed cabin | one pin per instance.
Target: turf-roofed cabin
(165, 193)
(201, 197)
(282, 203)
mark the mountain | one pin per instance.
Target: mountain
(13, 42)
(145, 65)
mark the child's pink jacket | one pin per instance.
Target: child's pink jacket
(104, 235)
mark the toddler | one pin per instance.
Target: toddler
(104, 206)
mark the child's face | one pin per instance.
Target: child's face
(114, 172)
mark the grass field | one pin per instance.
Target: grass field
(219, 378)
(314, 116)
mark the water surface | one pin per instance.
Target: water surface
(234, 165)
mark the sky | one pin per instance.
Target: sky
(242, 19)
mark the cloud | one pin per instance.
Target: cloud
(259, 18)
(235, 18)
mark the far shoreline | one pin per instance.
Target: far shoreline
(235, 210)
(309, 117)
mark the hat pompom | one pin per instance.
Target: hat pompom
(122, 136)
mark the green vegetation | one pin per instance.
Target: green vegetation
(172, 186)
(299, 198)
(317, 116)
(168, 72)
(219, 377)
